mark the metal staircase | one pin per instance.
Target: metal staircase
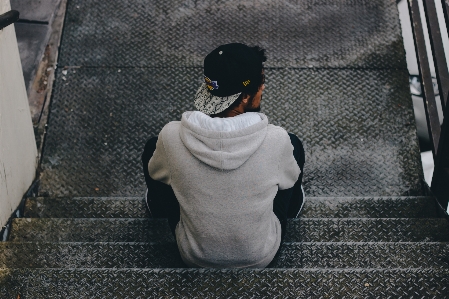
(336, 77)
(340, 247)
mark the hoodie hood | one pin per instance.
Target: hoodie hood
(222, 150)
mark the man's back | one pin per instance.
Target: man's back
(225, 183)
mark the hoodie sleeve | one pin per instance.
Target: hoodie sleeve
(158, 167)
(288, 168)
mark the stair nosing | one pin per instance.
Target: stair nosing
(172, 242)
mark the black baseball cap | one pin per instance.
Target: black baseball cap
(229, 70)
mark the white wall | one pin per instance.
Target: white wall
(18, 154)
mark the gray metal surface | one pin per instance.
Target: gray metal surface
(368, 255)
(32, 40)
(90, 230)
(86, 207)
(194, 283)
(367, 230)
(314, 207)
(357, 127)
(178, 33)
(32, 10)
(166, 255)
(370, 207)
(89, 255)
(298, 230)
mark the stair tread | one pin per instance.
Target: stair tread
(302, 229)
(370, 207)
(210, 283)
(166, 255)
(86, 207)
(314, 207)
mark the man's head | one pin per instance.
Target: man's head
(233, 77)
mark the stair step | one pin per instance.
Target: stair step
(370, 207)
(166, 255)
(314, 207)
(89, 255)
(86, 207)
(368, 230)
(299, 230)
(90, 230)
(210, 283)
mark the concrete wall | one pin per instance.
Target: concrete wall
(18, 154)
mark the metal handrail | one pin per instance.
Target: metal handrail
(430, 105)
(439, 135)
(436, 43)
(8, 18)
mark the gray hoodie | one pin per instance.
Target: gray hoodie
(225, 183)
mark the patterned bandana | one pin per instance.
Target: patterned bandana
(210, 104)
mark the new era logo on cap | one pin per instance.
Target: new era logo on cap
(212, 85)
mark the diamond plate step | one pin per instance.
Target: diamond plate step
(89, 255)
(299, 230)
(357, 127)
(370, 207)
(314, 207)
(354, 34)
(368, 230)
(86, 207)
(207, 283)
(90, 230)
(292, 255)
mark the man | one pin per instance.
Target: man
(225, 178)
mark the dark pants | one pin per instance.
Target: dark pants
(163, 203)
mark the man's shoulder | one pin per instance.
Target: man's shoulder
(171, 126)
(170, 129)
(277, 136)
(276, 131)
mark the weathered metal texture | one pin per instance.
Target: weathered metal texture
(428, 94)
(194, 283)
(370, 207)
(357, 127)
(367, 230)
(298, 230)
(90, 230)
(178, 33)
(314, 207)
(89, 255)
(362, 255)
(166, 255)
(40, 11)
(86, 207)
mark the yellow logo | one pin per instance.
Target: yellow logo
(210, 84)
(246, 83)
